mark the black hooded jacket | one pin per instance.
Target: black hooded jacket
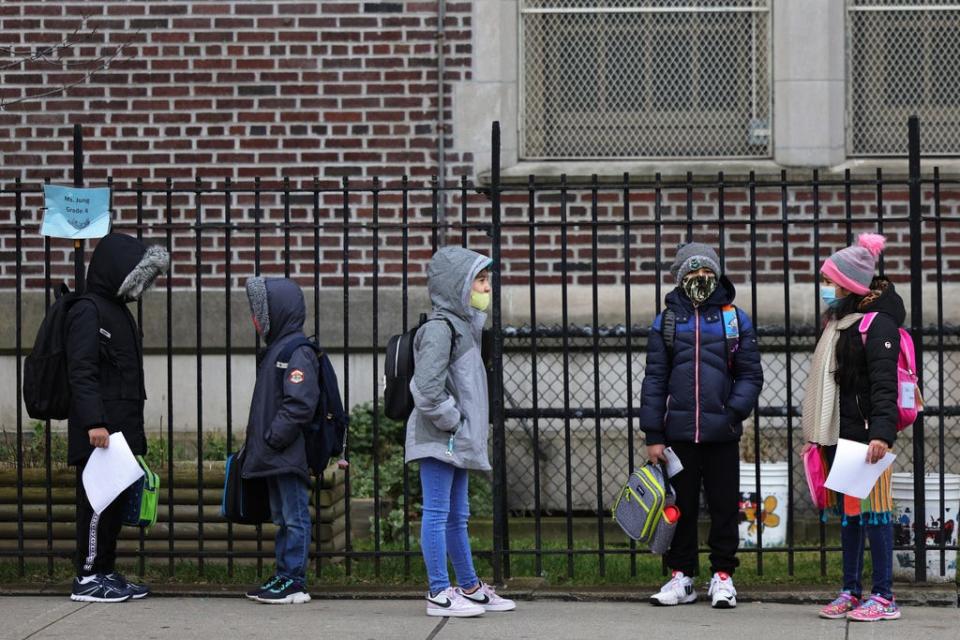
(868, 372)
(105, 346)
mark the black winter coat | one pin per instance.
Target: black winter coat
(105, 353)
(868, 373)
(696, 396)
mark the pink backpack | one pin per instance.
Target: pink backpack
(816, 473)
(909, 399)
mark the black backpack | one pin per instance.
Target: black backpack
(46, 381)
(398, 370)
(326, 434)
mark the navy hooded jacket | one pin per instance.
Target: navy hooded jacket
(696, 396)
(284, 404)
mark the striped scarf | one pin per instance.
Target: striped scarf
(821, 404)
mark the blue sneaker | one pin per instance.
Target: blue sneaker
(137, 591)
(99, 588)
(285, 591)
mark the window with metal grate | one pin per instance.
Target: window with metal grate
(631, 79)
(903, 59)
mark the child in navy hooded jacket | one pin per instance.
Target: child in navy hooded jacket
(281, 407)
(695, 397)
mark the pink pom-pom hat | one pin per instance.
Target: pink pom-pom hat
(853, 267)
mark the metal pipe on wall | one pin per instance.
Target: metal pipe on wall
(441, 120)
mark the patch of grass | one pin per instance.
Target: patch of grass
(34, 446)
(586, 569)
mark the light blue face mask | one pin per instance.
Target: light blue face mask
(829, 296)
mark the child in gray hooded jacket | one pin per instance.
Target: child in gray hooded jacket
(447, 431)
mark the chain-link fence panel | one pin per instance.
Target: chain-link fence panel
(901, 61)
(568, 447)
(643, 79)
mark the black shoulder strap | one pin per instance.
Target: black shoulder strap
(453, 332)
(283, 358)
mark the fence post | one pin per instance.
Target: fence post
(916, 330)
(78, 270)
(499, 437)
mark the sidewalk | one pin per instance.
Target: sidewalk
(48, 617)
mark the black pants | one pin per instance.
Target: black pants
(96, 533)
(715, 466)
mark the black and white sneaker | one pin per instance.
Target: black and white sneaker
(450, 603)
(253, 594)
(137, 591)
(722, 591)
(678, 590)
(285, 591)
(99, 588)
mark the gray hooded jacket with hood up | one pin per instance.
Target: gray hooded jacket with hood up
(281, 405)
(450, 390)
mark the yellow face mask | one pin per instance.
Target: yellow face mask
(479, 301)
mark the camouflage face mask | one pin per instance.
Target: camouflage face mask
(699, 287)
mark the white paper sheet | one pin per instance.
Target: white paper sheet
(673, 462)
(851, 474)
(109, 472)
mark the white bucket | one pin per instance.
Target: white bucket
(771, 506)
(904, 528)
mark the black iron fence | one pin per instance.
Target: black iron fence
(578, 276)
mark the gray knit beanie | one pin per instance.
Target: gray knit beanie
(694, 256)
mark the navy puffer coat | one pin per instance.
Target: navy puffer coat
(695, 396)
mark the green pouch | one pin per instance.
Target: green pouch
(140, 499)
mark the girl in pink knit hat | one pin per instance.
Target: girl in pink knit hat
(851, 393)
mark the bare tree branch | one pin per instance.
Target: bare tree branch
(44, 52)
(102, 64)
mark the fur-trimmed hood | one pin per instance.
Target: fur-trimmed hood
(122, 267)
(277, 305)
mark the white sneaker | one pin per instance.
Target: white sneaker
(487, 598)
(679, 590)
(449, 603)
(723, 592)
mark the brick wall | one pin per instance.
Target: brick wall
(315, 92)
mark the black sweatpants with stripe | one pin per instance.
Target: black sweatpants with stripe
(716, 468)
(96, 533)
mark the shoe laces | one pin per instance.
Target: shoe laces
(282, 584)
(877, 603)
(269, 583)
(842, 600)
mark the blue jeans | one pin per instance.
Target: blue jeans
(443, 532)
(881, 553)
(290, 511)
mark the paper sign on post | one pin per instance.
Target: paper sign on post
(851, 474)
(75, 213)
(109, 472)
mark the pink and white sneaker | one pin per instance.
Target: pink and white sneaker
(487, 598)
(450, 603)
(839, 608)
(874, 609)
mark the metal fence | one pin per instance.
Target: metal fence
(565, 401)
(636, 79)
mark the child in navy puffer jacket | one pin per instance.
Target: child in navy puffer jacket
(702, 379)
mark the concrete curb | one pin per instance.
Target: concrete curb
(931, 595)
